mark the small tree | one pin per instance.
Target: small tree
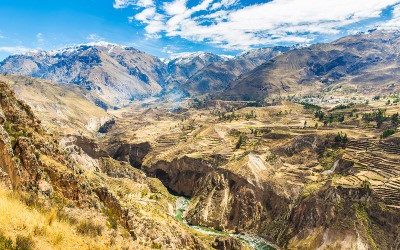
(319, 114)
(395, 120)
(341, 118)
(240, 141)
(387, 133)
(341, 138)
(379, 118)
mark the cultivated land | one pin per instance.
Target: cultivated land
(232, 160)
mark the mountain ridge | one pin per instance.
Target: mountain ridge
(117, 74)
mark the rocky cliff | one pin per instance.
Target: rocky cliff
(110, 205)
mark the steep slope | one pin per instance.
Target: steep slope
(65, 108)
(183, 67)
(364, 60)
(218, 75)
(263, 171)
(114, 73)
(107, 206)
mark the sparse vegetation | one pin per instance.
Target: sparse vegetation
(241, 141)
(5, 243)
(30, 228)
(23, 243)
(250, 115)
(342, 106)
(377, 116)
(341, 139)
(395, 120)
(329, 157)
(112, 218)
(90, 228)
(387, 133)
(310, 106)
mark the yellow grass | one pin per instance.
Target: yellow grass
(44, 229)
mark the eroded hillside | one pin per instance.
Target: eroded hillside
(299, 175)
(52, 198)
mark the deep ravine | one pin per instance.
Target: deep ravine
(253, 241)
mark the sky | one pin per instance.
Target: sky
(169, 28)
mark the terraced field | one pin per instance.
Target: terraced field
(381, 158)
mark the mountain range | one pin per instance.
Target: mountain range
(117, 75)
(363, 62)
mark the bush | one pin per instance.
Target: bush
(156, 245)
(378, 116)
(5, 243)
(90, 228)
(395, 120)
(240, 141)
(319, 114)
(387, 133)
(23, 243)
(377, 97)
(310, 106)
(341, 138)
(341, 107)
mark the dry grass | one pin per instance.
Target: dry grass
(30, 228)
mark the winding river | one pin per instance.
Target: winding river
(255, 242)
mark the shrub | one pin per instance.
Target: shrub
(378, 116)
(341, 107)
(156, 245)
(377, 97)
(310, 106)
(89, 228)
(395, 120)
(251, 115)
(112, 218)
(341, 138)
(5, 243)
(387, 133)
(23, 243)
(240, 141)
(319, 114)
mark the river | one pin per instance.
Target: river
(253, 241)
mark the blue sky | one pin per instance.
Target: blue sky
(167, 28)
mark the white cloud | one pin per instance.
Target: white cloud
(15, 49)
(394, 23)
(223, 3)
(119, 4)
(176, 7)
(152, 19)
(287, 21)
